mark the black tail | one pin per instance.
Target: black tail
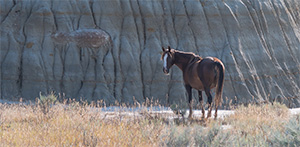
(220, 83)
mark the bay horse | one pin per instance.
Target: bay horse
(202, 74)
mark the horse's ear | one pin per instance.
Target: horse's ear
(164, 50)
(169, 48)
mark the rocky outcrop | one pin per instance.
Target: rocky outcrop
(110, 50)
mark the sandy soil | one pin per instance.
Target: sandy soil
(114, 111)
(165, 112)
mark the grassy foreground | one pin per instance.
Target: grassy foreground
(43, 124)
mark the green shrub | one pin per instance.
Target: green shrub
(45, 102)
(208, 137)
(178, 137)
(179, 109)
(290, 136)
(195, 135)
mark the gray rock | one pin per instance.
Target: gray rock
(110, 50)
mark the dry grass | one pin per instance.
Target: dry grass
(85, 125)
(255, 119)
(73, 126)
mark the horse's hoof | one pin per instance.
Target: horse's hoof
(202, 118)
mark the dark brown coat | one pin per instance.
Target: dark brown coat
(202, 74)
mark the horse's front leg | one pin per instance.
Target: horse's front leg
(189, 92)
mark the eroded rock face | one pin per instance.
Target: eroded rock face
(258, 41)
(89, 38)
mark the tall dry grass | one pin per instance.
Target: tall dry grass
(23, 125)
(254, 120)
(81, 124)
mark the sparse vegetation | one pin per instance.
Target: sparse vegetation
(81, 124)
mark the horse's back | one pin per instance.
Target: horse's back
(191, 77)
(202, 73)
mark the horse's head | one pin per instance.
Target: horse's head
(168, 59)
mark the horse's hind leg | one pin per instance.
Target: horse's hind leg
(209, 100)
(189, 92)
(217, 101)
(201, 103)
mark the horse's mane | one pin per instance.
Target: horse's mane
(189, 55)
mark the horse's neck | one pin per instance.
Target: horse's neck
(183, 59)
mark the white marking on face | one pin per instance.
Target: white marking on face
(165, 60)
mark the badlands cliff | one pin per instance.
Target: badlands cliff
(110, 50)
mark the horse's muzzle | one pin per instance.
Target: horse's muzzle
(166, 71)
